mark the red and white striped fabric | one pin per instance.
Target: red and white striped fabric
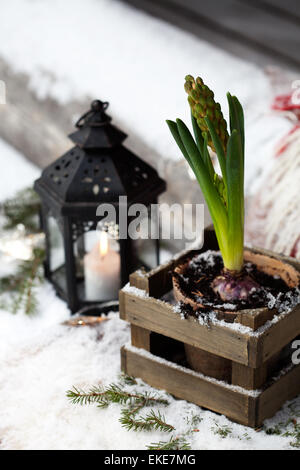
(273, 215)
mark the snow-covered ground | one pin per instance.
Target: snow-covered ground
(105, 49)
(40, 359)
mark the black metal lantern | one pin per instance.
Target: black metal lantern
(84, 269)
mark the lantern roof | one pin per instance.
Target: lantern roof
(95, 129)
(97, 169)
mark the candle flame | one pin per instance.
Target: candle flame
(103, 244)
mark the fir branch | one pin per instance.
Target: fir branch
(21, 285)
(127, 379)
(223, 431)
(174, 443)
(23, 208)
(112, 394)
(94, 395)
(290, 428)
(152, 421)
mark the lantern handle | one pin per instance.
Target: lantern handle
(97, 107)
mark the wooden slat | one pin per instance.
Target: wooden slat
(155, 315)
(158, 281)
(288, 8)
(245, 28)
(158, 316)
(122, 311)
(183, 384)
(124, 360)
(255, 378)
(250, 411)
(139, 280)
(247, 377)
(257, 27)
(140, 338)
(280, 334)
(286, 388)
(255, 318)
(249, 350)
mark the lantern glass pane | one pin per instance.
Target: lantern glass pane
(98, 266)
(56, 253)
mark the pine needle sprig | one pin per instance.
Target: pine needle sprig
(174, 443)
(23, 208)
(22, 285)
(134, 402)
(112, 394)
(152, 421)
(93, 395)
(127, 379)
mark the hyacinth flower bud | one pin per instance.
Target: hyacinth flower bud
(202, 103)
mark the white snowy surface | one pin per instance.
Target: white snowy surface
(105, 49)
(17, 172)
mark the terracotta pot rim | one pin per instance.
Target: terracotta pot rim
(289, 274)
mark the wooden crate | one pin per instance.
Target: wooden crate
(261, 381)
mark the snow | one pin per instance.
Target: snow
(105, 49)
(209, 256)
(19, 172)
(135, 291)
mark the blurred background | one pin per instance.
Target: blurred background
(55, 57)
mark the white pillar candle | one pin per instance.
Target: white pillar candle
(102, 271)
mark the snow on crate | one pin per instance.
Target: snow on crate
(135, 291)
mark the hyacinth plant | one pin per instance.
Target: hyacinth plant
(224, 194)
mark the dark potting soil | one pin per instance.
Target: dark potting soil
(203, 268)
